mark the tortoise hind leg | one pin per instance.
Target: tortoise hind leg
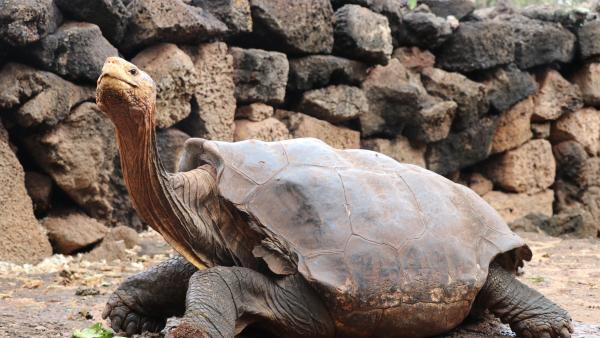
(221, 301)
(529, 313)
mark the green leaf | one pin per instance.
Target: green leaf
(95, 331)
(412, 4)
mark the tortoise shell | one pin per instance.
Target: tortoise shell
(381, 241)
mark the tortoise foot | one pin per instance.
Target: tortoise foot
(123, 318)
(547, 325)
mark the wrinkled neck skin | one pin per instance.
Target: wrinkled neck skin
(192, 233)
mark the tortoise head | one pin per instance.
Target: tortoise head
(125, 93)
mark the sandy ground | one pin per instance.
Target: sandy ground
(49, 300)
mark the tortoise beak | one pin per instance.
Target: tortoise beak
(116, 68)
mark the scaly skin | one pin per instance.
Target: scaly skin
(223, 300)
(529, 313)
(144, 301)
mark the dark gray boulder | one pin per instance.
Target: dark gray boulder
(155, 21)
(296, 27)
(588, 38)
(26, 21)
(259, 75)
(507, 86)
(362, 34)
(38, 97)
(111, 16)
(423, 29)
(77, 51)
(234, 13)
(469, 95)
(477, 46)
(334, 103)
(391, 9)
(316, 71)
(539, 43)
(462, 149)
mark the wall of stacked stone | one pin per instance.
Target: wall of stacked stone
(501, 100)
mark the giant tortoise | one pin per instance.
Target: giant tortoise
(303, 240)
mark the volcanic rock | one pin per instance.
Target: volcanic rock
(334, 103)
(22, 239)
(26, 21)
(77, 51)
(297, 27)
(259, 76)
(362, 34)
(316, 71)
(176, 81)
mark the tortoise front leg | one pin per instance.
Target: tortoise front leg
(144, 301)
(529, 313)
(221, 301)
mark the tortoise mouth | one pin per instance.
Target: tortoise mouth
(108, 77)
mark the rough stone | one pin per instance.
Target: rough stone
(571, 158)
(111, 16)
(316, 71)
(576, 222)
(588, 38)
(540, 129)
(270, 129)
(334, 103)
(573, 200)
(302, 125)
(170, 145)
(425, 30)
(107, 251)
(122, 233)
(39, 188)
(77, 51)
(391, 9)
(477, 46)
(571, 17)
(514, 127)
(73, 231)
(470, 96)
(533, 222)
(582, 126)
(556, 97)
(155, 21)
(540, 43)
(214, 109)
(588, 80)
(513, 206)
(399, 148)
(22, 239)
(362, 34)
(462, 149)
(297, 27)
(527, 169)
(255, 112)
(37, 96)
(78, 154)
(507, 86)
(432, 123)
(414, 58)
(26, 21)
(444, 8)
(234, 13)
(176, 81)
(478, 183)
(259, 76)
(394, 95)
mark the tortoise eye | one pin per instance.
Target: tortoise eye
(133, 71)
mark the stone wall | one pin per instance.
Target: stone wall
(502, 101)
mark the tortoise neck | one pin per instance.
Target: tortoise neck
(149, 185)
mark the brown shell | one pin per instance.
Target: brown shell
(368, 232)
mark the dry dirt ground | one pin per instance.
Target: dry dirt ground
(62, 294)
